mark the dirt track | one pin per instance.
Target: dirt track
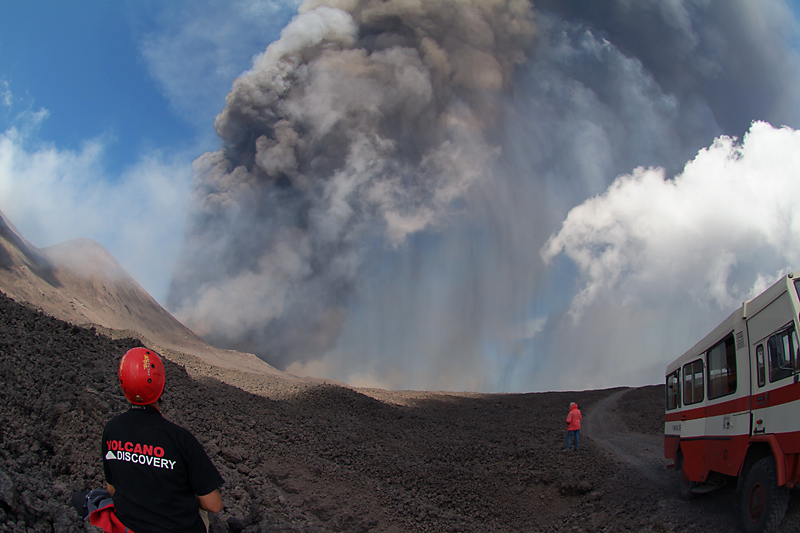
(642, 455)
(640, 452)
(299, 456)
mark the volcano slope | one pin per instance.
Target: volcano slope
(313, 457)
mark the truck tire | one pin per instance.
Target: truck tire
(763, 502)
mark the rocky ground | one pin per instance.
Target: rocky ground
(315, 457)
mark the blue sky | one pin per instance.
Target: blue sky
(83, 63)
(105, 105)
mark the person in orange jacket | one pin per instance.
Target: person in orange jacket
(573, 426)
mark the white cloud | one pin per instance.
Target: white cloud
(53, 195)
(5, 94)
(533, 327)
(733, 209)
(663, 260)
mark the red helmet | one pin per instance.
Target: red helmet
(141, 376)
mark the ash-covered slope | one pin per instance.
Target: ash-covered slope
(80, 282)
(18, 256)
(308, 457)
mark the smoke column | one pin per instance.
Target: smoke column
(392, 169)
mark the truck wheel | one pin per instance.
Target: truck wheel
(763, 502)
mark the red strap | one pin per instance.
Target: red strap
(106, 518)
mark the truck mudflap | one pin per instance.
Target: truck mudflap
(671, 445)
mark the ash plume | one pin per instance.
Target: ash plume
(362, 124)
(391, 169)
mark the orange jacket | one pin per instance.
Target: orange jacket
(574, 418)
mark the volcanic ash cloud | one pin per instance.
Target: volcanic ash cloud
(363, 124)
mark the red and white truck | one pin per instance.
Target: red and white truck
(733, 407)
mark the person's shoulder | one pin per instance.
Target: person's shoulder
(119, 423)
(118, 417)
(175, 427)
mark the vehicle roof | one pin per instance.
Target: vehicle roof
(747, 309)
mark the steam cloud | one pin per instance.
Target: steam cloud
(391, 170)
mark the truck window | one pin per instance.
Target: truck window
(781, 348)
(721, 368)
(673, 390)
(693, 385)
(760, 368)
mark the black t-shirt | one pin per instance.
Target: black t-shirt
(156, 468)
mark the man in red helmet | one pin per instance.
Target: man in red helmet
(159, 475)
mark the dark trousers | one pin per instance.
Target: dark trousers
(577, 435)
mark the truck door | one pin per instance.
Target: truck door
(672, 419)
(727, 418)
(774, 365)
(777, 355)
(692, 420)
